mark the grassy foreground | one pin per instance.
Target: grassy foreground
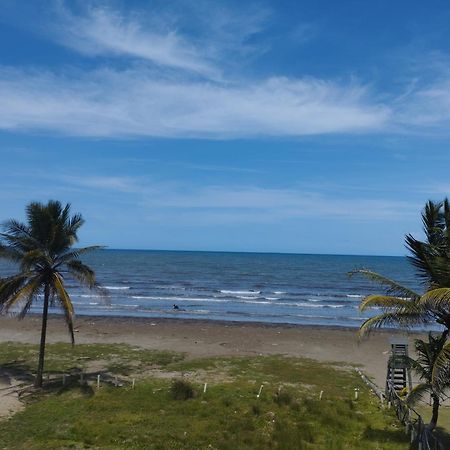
(287, 415)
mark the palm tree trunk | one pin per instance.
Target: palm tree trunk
(435, 415)
(40, 370)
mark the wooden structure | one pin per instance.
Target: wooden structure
(398, 372)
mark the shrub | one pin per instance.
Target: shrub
(182, 390)
(256, 410)
(283, 398)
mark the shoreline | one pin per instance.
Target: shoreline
(199, 338)
(174, 319)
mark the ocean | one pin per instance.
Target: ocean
(251, 287)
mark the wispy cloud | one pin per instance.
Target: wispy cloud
(177, 83)
(110, 183)
(427, 107)
(209, 204)
(104, 31)
(107, 103)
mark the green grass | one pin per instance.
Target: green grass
(288, 414)
(119, 359)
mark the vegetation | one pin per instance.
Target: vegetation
(404, 308)
(426, 367)
(118, 359)
(182, 390)
(42, 250)
(287, 415)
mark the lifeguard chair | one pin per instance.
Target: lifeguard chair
(398, 371)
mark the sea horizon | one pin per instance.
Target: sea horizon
(106, 248)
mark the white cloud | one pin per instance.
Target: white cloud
(112, 183)
(211, 204)
(187, 91)
(107, 103)
(103, 31)
(427, 106)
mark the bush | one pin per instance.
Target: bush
(256, 410)
(283, 398)
(182, 390)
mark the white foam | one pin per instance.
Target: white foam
(279, 292)
(355, 296)
(259, 302)
(117, 288)
(224, 291)
(179, 299)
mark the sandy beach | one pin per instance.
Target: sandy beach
(209, 338)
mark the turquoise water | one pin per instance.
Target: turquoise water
(273, 288)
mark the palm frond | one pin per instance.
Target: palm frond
(36, 258)
(432, 221)
(66, 303)
(10, 253)
(18, 290)
(10, 285)
(386, 302)
(417, 393)
(421, 371)
(82, 273)
(392, 288)
(441, 367)
(34, 290)
(436, 299)
(405, 319)
(18, 236)
(75, 254)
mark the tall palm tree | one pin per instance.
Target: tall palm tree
(43, 251)
(404, 307)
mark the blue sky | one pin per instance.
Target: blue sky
(293, 126)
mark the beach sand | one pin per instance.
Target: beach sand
(198, 338)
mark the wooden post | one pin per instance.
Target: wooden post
(260, 390)
(204, 388)
(98, 381)
(133, 383)
(320, 395)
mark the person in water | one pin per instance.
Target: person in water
(175, 306)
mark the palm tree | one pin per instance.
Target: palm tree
(435, 381)
(42, 250)
(404, 307)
